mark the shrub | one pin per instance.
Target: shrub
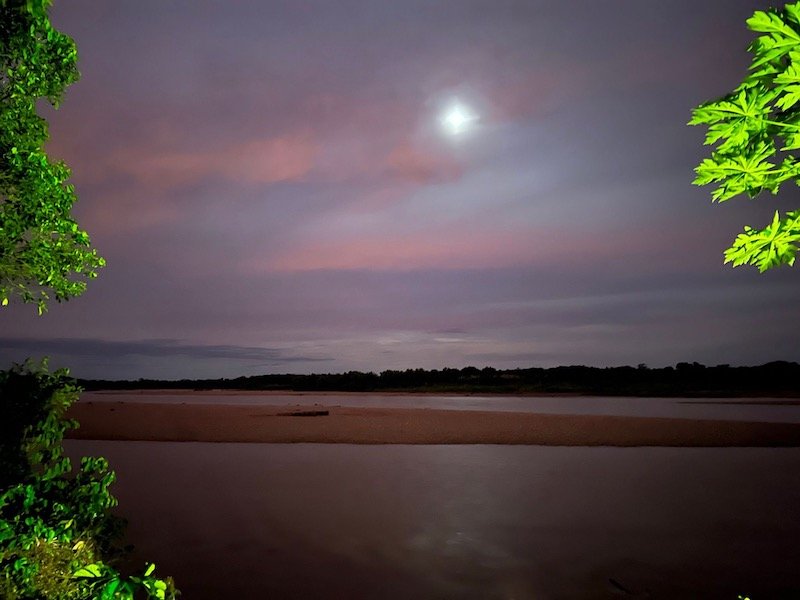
(58, 538)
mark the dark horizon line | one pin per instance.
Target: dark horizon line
(775, 378)
(638, 367)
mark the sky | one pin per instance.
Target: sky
(274, 190)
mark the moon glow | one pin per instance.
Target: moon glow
(457, 119)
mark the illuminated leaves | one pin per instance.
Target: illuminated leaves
(739, 173)
(774, 245)
(42, 249)
(737, 120)
(781, 36)
(788, 83)
(58, 537)
(754, 128)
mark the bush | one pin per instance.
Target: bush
(58, 538)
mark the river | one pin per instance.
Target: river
(258, 521)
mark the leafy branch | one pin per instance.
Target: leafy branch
(753, 129)
(769, 247)
(42, 249)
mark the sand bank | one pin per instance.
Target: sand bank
(332, 394)
(345, 425)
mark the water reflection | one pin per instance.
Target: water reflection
(338, 521)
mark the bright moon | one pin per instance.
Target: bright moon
(457, 119)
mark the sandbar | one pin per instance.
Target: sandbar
(349, 425)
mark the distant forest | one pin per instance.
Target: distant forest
(781, 379)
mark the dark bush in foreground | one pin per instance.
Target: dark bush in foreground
(58, 538)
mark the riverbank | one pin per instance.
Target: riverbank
(349, 425)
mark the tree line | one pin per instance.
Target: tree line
(778, 378)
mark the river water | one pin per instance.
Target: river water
(263, 521)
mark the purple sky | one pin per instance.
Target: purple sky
(273, 192)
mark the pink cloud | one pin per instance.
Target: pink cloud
(459, 247)
(412, 164)
(271, 160)
(429, 249)
(287, 158)
(130, 210)
(148, 202)
(534, 92)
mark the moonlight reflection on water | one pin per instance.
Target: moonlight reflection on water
(312, 521)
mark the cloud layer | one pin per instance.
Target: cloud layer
(271, 187)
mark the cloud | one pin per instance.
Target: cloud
(500, 359)
(479, 245)
(151, 348)
(545, 227)
(404, 251)
(412, 164)
(262, 161)
(131, 210)
(144, 186)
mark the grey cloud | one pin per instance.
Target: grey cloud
(151, 348)
(501, 359)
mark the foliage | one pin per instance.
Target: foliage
(755, 128)
(42, 248)
(58, 538)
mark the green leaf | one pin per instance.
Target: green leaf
(790, 97)
(770, 49)
(109, 590)
(93, 570)
(793, 12)
(6, 531)
(156, 588)
(774, 245)
(738, 174)
(766, 22)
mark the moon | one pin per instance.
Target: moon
(457, 119)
